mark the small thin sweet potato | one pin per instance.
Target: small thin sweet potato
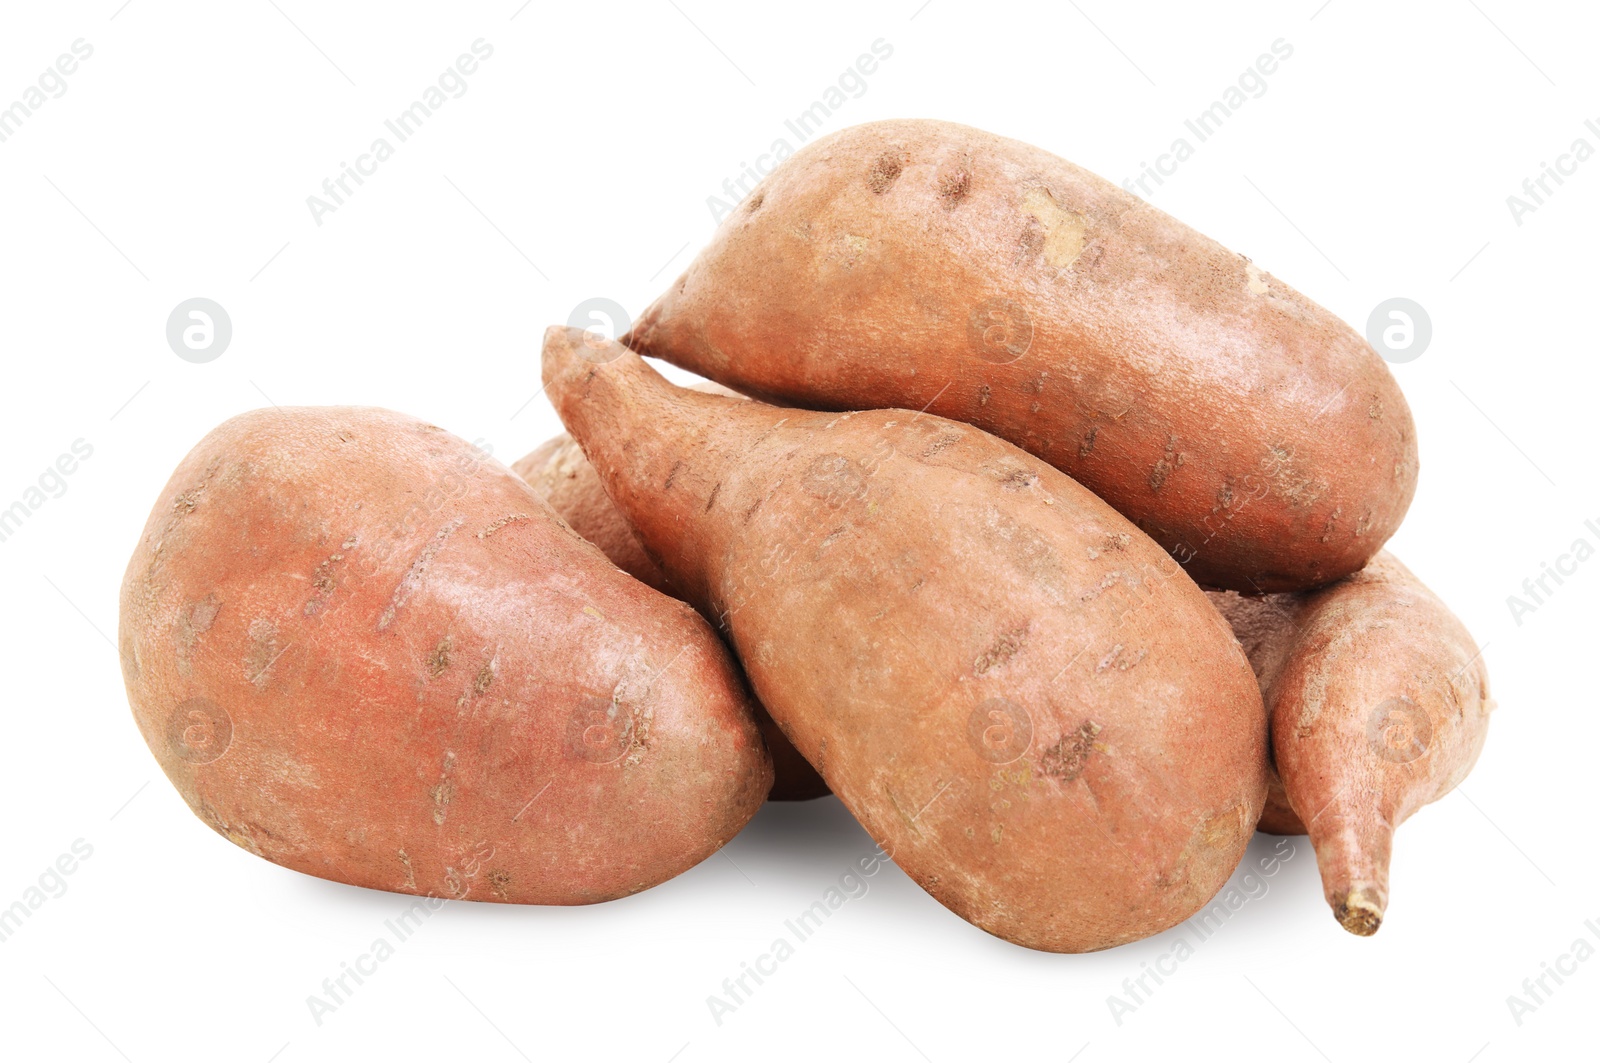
(1379, 704)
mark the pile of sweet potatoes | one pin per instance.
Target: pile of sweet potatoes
(995, 425)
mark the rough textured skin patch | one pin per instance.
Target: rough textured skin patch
(263, 651)
(1064, 230)
(494, 526)
(1169, 461)
(193, 623)
(884, 173)
(323, 584)
(954, 186)
(439, 660)
(1257, 282)
(1066, 760)
(414, 575)
(1005, 647)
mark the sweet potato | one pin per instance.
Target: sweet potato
(560, 474)
(935, 267)
(361, 649)
(1379, 704)
(1017, 693)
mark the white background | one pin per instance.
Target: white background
(578, 165)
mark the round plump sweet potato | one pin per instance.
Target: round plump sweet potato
(560, 474)
(363, 650)
(1379, 703)
(936, 267)
(1018, 694)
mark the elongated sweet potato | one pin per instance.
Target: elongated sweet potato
(363, 650)
(935, 267)
(560, 474)
(1379, 704)
(1018, 694)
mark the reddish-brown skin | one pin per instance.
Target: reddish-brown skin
(932, 266)
(560, 474)
(1021, 697)
(1379, 704)
(361, 649)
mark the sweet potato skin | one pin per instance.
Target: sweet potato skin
(1379, 704)
(1021, 697)
(362, 650)
(932, 266)
(560, 474)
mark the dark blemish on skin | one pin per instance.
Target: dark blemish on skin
(500, 883)
(673, 475)
(941, 444)
(883, 174)
(440, 659)
(756, 201)
(1004, 648)
(1067, 758)
(484, 680)
(1087, 446)
(1328, 528)
(324, 584)
(1018, 479)
(1116, 541)
(1169, 461)
(713, 499)
(953, 188)
(983, 395)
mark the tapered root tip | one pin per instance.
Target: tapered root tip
(1360, 912)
